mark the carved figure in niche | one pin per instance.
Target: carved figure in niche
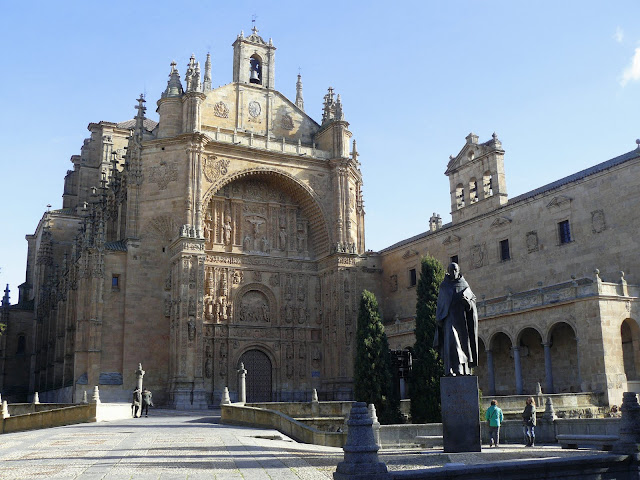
(237, 277)
(283, 239)
(229, 311)
(192, 306)
(288, 288)
(274, 280)
(316, 356)
(288, 313)
(301, 289)
(224, 287)
(289, 352)
(247, 243)
(302, 314)
(223, 359)
(191, 329)
(265, 244)
(208, 368)
(266, 317)
(207, 228)
(217, 313)
(319, 316)
(226, 230)
(208, 308)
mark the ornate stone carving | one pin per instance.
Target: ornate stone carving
(238, 276)
(163, 173)
(478, 253)
(286, 122)
(254, 308)
(191, 329)
(254, 109)
(214, 168)
(221, 110)
(257, 275)
(162, 227)
(410, 253)
(532, 241)
(451, 239)
(500, 222)
(559, 201)
(598, 223)
(274, 280)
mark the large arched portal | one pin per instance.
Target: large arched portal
(258, 378)
(630, 338)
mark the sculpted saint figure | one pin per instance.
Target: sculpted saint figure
(456, 335)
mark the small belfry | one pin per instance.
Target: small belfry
(254, 60)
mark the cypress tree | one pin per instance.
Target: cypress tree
(427, 366)
(373, 379)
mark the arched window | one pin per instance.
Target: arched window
(22, 345)
(473, 190)
(255, 74)
(459, 196)
(487, 184)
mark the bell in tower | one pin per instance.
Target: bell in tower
(256, 70)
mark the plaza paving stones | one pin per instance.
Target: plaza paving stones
(193, 445)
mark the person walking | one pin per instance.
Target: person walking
(495, 417)
(146, 402)
(135, 403)
(529, 422)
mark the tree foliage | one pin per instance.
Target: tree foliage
(427, 366)
(373, 379)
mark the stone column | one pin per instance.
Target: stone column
(492, 377)
(548, 370)
(518, 367)
(242, 384)
(139, 374)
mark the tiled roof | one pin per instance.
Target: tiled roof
(579, 175)
(545, 188)
(118, 246)
(149, 125)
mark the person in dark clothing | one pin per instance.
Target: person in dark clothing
(146, 402)
(529, 421)
(135, 403)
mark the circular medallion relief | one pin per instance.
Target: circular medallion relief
(254, 108)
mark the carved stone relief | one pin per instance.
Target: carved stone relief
(532, 241)
(254, 308)
(286, 122)
(214, 167)
(598, 223)
(163, 173)
(478, 253)
(221, 110)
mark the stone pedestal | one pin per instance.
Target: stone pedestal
(225, 397)
(360, 452)
(460, 414)
(629, 436)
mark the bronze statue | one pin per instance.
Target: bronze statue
(456, 336)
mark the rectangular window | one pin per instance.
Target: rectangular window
(564, 232)
(504, 250)
(115, 282)
(454, 259)
(412, 277)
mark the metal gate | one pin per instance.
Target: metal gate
(258, 368)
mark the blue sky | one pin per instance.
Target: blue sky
(558, 81)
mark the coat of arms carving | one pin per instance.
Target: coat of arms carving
(214, 168)
(221, 110)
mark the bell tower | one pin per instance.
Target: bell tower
(254, 60)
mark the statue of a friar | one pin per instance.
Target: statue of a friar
(456, 336)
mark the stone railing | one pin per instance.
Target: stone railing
(238, 414)
(558, 293)
(248, 139)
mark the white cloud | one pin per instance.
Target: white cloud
(619, 35)
(632, 72)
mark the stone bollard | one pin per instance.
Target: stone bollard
(360, 451)
(36, 398)
(629, 437)
(96, 395)
(315, 405)
(226, 400)
(242, 387)
(376, 424)
(84, 397)
(546, 429)
(5, 410)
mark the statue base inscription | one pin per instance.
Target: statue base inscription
(460, 414)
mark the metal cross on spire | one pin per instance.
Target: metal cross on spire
(254, 29)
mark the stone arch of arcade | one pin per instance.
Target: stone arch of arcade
(630, 340)
(562, 358)
(301, 193)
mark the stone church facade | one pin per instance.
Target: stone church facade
(232, 231)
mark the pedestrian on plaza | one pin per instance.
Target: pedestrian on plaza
(146, 402)
(529, 422)
(135, 403)
(494, 417)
